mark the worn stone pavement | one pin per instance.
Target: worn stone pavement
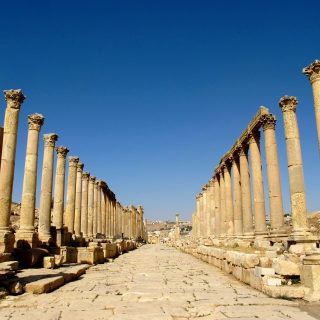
(154, 282)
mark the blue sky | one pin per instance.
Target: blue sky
(150, 94)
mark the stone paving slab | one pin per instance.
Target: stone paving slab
(152, 283)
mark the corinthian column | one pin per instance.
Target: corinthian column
(103, 208)
(273, 174)
(257, 184)
(98, 215)
(228, 195)
(71, 194)
(28, 202)
(288, 106)
(222, 205)
(95, 208)
(58, 205)
(313, 73)
(245, 191)
(91, 206)
(237, 207)
(217, 206)
(77, 211)
(14, 100)
(84, 204)
(46, 187)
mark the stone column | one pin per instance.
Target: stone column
(198, 215)
(92, 181)
(95, 208)
(313, 73)
(77, 210)
(99, 213)
(108, 209)
(257, 184)
(28, 203)
(245, 192)
(14, 100)
(103, 209)
(84, 204)
(222, 205)
(217, 206)
(1, 140)
(273, 174)
(237, 206)
(177, 227)
(288, 106)
(58, 205)
(228, 194)
(204, 212)
(71, 194)
(46, 187)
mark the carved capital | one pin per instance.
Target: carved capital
(73, 161)
(288, 103)
(50, 139)
(14, 98)
(242, 150)
(92, 179)
(80, 166)
(268, 121)
(85, 176)
(35, 121)
(254, 137)
(313, 71)
(62, 152)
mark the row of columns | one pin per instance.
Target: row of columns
(231, 212)
(90, 209)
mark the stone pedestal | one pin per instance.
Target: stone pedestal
(310, 276)
(26, 231)
(46, 187)
(14, 100)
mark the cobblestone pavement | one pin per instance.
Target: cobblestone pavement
(155, 283)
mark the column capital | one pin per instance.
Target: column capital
(35, 121)
(254, 136)
(242, 149)
(85, 175)
(14, 98)
(312, 71)
(92, 179)
(97, 182)
(80, 167)
(73, 161)
(268, 121)
(50, 139)
(62, 152)
(288, 103)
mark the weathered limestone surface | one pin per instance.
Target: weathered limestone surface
(14, 100)
(154, 282)
(77, 212)
(46, 187)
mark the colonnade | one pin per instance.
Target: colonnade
(89, 211)
(232, 203)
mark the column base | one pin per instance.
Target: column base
(45, 237)
(26, 237)
(7, 240)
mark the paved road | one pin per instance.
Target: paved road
(152, 283)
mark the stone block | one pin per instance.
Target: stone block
(286, 268)
(265, 262)
(44, 285)
(9, 266)
(48, 262)
(250, 261)
(271, 281)
(260, 271)
(58, 260)
(255, 282)
(271, 254)
(246, 275)
(238, 273)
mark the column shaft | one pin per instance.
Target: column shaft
(77, 210)
(273, 174)
(222, 206)
(28, 202)
(217, 206)
(257, 184)
(229, 205)
(237, 206)
(46, 187)
(84, 204)
(91, 206)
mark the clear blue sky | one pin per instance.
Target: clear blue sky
(150, 94)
